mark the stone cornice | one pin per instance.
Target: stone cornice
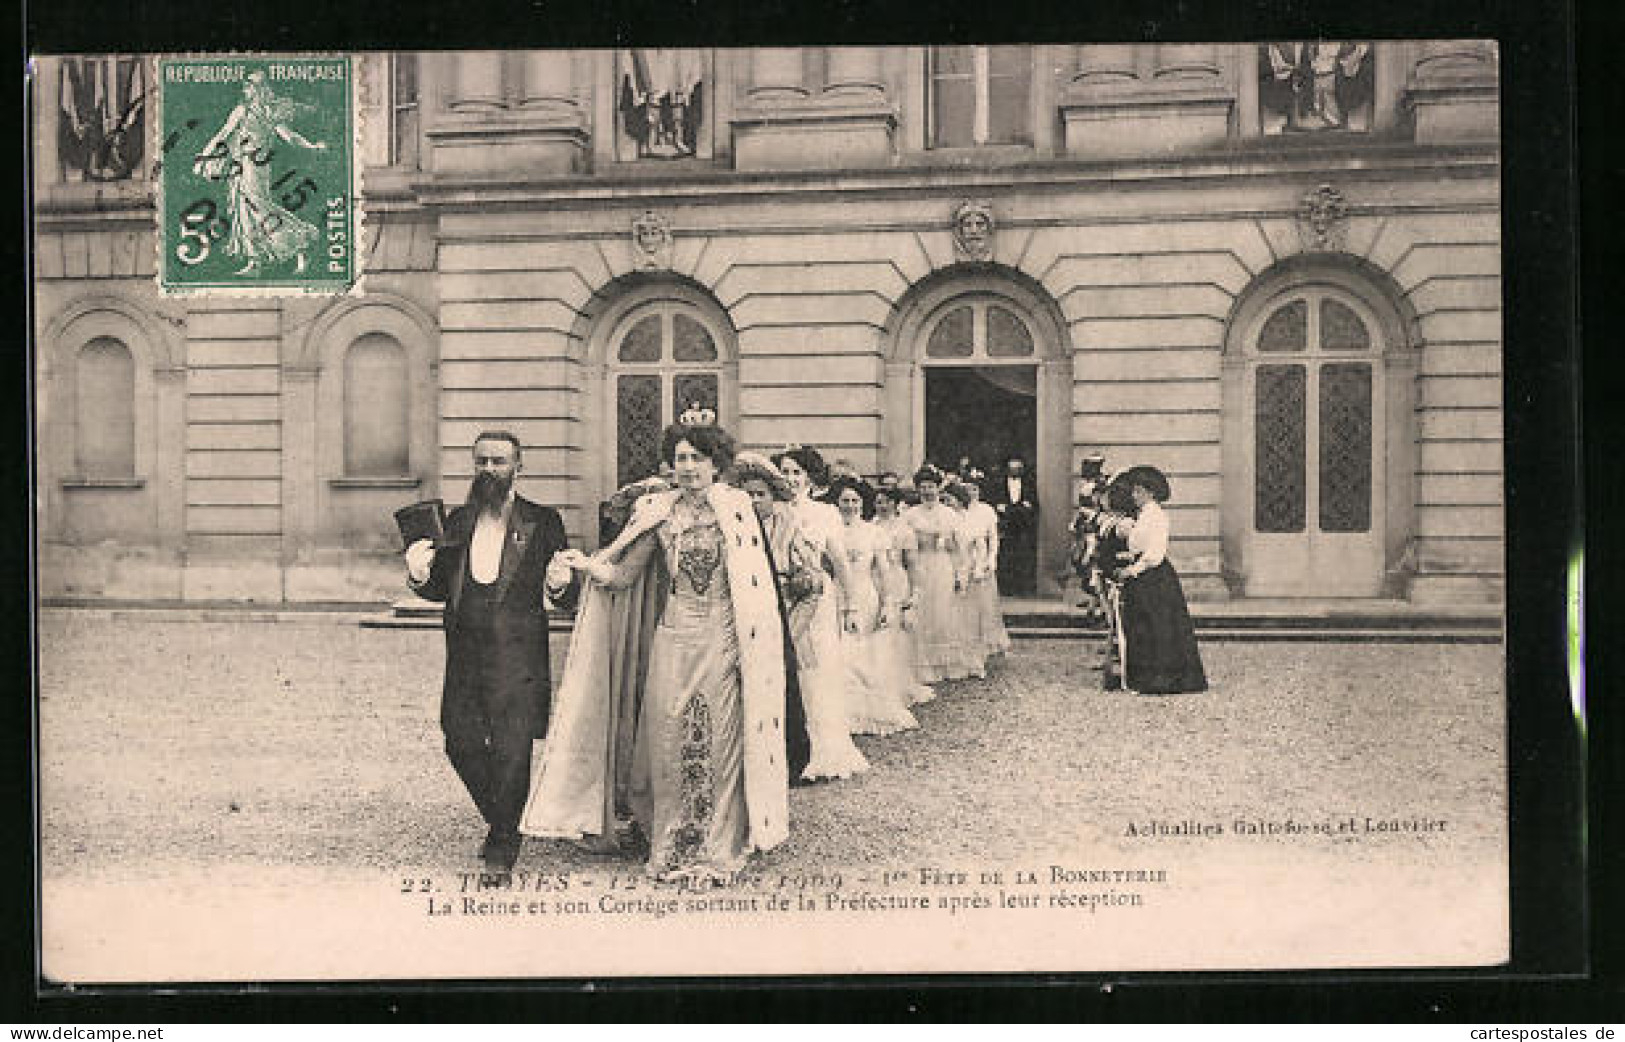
(1137, 95)
(92, 207)
(1253, 161)
(495, 132)
(816, 111)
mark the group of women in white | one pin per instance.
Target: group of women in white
(738, 630)
(719, 657)
(885, 597)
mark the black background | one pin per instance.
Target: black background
(1559, 973)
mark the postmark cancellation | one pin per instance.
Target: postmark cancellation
(257, 183)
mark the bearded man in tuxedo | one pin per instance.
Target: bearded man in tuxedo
(496, 573)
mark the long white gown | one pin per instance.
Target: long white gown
(896, 641)
(938, 654)
(973, 654)
(986, 616)
(806, 533)
(876, 703)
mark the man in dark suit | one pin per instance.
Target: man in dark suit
(1015, 499)
(492, 573)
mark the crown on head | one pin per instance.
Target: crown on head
(697, 415)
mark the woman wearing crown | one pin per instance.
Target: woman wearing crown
(680, 629)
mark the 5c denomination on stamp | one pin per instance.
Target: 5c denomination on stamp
(257, 191)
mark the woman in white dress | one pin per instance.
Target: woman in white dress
(972, 651)
(937, 582)
(982, 531)
(896, 635)
(876, 703)
(806, 541)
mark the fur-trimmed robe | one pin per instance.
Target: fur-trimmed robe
(589, 751)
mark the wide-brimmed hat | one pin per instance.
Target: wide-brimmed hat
(753, 466)
(959, 490)
(808, 459)
(930, 472)
(618, 507)
(1149, 478)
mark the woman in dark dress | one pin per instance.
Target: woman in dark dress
(1158, 641)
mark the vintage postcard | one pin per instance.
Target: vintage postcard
(897, 510)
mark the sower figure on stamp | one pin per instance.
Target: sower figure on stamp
(261, 229)
(1016, 501)
(499, 560)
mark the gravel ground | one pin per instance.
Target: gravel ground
(314, 744)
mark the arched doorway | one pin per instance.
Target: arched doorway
(979, 367)
(1320, 458)
(658, 348)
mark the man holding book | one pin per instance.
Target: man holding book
(496, 567)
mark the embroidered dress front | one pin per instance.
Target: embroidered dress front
(688, 787)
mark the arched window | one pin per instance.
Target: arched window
(104, 410)
(1315, 455)
(979, 328)
(1305, 399)
(980, 364)
(664, 355)
(377, 408)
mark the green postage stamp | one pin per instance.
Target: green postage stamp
(257, 190)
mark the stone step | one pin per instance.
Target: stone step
(1393, 622)
(1066, 620)
(1210, 632)
(1281, 636)
(1356, 617)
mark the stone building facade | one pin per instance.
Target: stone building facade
(1274, 272)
